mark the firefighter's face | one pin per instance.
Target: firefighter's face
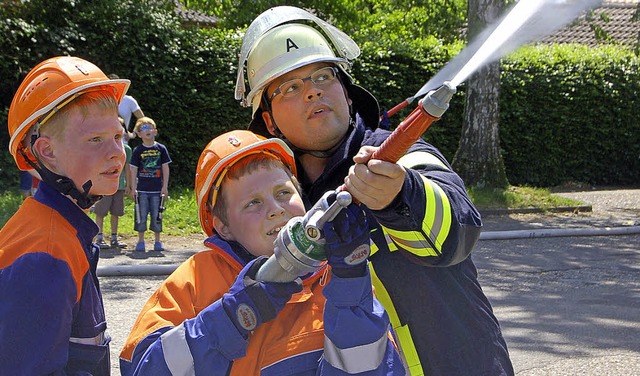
(317, 117)
(258, 205)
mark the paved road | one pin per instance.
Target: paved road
(567, 305)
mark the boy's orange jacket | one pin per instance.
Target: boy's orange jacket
(51, 316)
(292, 343)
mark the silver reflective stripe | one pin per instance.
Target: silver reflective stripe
(98, 340)
(176, 351)
(356, 359)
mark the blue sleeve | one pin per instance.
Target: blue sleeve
(432, 220)
(356, 331)
(38, 294)
(164, 155)
(135, 157)
(206, 344)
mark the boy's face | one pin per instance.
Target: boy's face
(89, 148)
(147, 133)
(315, 119)
(259, 204)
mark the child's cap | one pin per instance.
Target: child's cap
(47, 88)
(222, 153)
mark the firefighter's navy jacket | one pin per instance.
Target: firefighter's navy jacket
(51, 314)
(420, 262)
(183, 328)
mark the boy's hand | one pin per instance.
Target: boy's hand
(250, 303)
(347, 242)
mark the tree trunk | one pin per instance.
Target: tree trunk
(478, 160)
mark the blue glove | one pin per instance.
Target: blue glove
(347, 242)
(250, 303)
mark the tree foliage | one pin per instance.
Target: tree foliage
(184, 78)
(398, 20)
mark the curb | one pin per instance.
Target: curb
(557, 209)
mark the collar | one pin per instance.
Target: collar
(49, 196)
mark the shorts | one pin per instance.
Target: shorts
(113, 204)
(148, 204)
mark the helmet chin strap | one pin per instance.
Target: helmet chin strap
(65, 185)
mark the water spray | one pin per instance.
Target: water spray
(527, 21)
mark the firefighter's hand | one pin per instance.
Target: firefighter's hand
(347, 242)
(374, 182)
(250, 303)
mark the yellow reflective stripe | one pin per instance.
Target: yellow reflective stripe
(412, 241)
(436, 224)
(420, 159)
(431, 200)
(390, 244)
(406, 348)
(439, 228)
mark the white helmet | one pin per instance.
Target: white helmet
(273, 46)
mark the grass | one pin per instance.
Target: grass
(181, 214)
(179, 218)
(518, 197)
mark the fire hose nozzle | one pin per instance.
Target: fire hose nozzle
(324, 213)
(437, 101)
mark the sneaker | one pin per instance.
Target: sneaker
(102, 244)
(115, 243)
(157, 246)
(140, 247)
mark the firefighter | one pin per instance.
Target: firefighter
(63, 123)
(212, 317)
(292, 73)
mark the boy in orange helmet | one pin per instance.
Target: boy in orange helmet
(212, 316)
(63, 123)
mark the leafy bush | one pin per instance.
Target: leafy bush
(570, 113)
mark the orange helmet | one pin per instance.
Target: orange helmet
(48, 87)
(222, 153)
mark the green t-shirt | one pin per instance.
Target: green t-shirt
(123, 183)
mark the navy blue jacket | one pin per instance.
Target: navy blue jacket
(420, 262)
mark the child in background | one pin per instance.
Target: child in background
(211, 316)
(63, 123)
(114, 203)
(150, 181)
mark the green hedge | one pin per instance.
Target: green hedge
(571, 113)
(567, 113)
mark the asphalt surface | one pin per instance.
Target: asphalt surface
(567, 305)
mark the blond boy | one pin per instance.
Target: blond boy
(63, 123)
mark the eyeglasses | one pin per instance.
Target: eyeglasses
(294, 87)
(146, 127)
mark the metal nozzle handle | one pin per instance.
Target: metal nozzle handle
(314, 226)
(437, 102)
(272, 271)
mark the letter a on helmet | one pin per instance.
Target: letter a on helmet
(282, 39)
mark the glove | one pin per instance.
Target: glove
(347, 242)
(250, 303)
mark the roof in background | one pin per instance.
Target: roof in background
(194, 17)
(614, 17)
